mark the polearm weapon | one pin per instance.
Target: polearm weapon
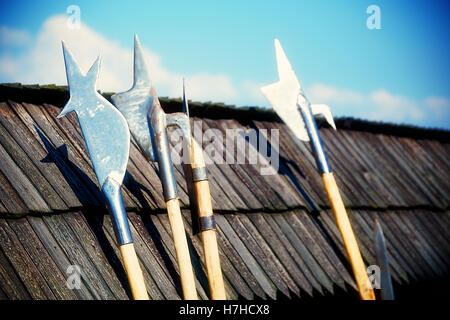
(107, 138)
(206, 219)
(148, 122)
(387, 292)
(289, 101)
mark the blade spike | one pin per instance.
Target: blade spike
(72, 69)
(324, 110)
(141, 77)
(185, 102)
(135, 103)
(69, 107)
(92, 74)
(285, 70)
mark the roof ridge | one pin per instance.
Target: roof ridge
(58, 96)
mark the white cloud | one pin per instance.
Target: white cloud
(440, 105)
(252, 91)
(7, 64)
(13, 37)
(43, 63)
(206, 86)
(381, 105)
(394, 107)
(327, 94)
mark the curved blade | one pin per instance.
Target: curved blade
(324, 110)
(387, 292)
(134, 103)
(104, 128)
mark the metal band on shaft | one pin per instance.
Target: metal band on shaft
(207, 223)
(199, 174)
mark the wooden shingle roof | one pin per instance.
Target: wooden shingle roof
(272, 242)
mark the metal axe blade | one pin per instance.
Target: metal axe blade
(107, 138)
(291, 104)
(134, 103)
(148, 123)
(105, 130)
(284, 97)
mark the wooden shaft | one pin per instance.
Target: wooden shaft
(134, 272)
(181, 250)
(351, 246)
(209, 237)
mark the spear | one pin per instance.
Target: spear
(289, 101)
(387, 292)
(107, 138)
(148, 123)
(206, 219)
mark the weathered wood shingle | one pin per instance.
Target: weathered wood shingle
(52, 213)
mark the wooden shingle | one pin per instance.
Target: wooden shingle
(277, 236)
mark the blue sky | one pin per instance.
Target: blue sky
(400, 73)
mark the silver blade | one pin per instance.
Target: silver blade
(284, 94)
(181, 119)
(104, 128)
(387, 292)
(134, 103)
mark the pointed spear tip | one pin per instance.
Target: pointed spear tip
(71, 64)
(153, 91)
(141, 76)
(277, 44)
(137, 43)
(376, 224)
(93, 72)
(378, 230)
(185, 103)
(65, 48)
(137, 49)
(67, 52)
(65, 110)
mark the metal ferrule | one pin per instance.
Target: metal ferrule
(111, 191)
(199, 174)
(207, 223)
(157, 120)
(304, 107)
